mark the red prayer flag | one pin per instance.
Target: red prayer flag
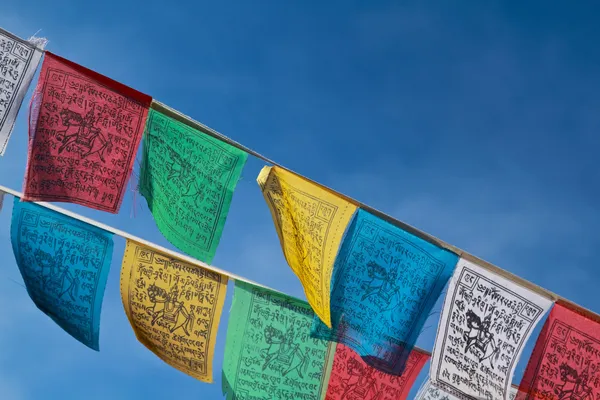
(565, 363)
(352, 378)
(84, 132)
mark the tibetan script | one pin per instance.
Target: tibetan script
(352, 378)
(173, 307)
(386, 282)
(485, 323)
(84, 133)
(269, 353)
(64, 263)
(565, 362)
(430, 392)
(188, 179)
(18, 61)
(310, 222)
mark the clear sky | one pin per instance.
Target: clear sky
(476, 122)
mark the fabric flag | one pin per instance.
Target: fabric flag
(386, 282)
(19, 60)
(429, 391)
(1, 199)
(64, 263)
(84, 133)
(173, 307)
(269, 353)
(310, 222)
(565, 361)
(188, 179)
(485, 323)
(352, 378)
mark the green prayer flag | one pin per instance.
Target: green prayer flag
(188, 179)
(269, 352)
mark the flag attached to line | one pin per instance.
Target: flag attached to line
(173, 307)
(85, 130)
(19, 60)
(269, 352)
(64, 263)
(352, 378)
(188, 179)
(565, 361)
(310, 222)
(486, 321)
(386, 280)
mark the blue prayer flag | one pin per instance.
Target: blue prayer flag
(64, 263)
(385, 282)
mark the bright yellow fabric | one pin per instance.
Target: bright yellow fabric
(310, 222)
(173, 307)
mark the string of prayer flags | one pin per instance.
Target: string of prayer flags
(173, 307)
(385, 283)
(268, 351)
(188, 179)
(19, 60)
(486, 321)
(352, 378)
(64, 263)
(84, 133)
(565, 361)
(310, 222)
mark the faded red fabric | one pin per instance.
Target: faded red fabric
(84, 132)
(352, 378)
(565, 362)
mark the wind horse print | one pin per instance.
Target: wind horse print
(269, 353)
(385, 283)
(19, 60)
(565, 362)
(352, 379)
(188, 179)
(84, 133)
(64, 263)
(486, 321)
(310, 221)
(173, 307)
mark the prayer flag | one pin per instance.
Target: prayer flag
(1, 199)
(64, 263)
(19, 60)
(84, 133)
(429, 391)
(188, 179)
(565, 361)
(485, 323)
(352, 378)
(269, 352)
(310, 222)
(173, 307)
(385, 283)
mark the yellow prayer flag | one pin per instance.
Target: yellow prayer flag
(310, 222)
(173, 307)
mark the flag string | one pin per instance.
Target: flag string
(160, 248)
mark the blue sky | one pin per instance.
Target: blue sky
(477, 123)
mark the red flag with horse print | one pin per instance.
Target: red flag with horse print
(84, 131)
(352, 378)
(565, 362)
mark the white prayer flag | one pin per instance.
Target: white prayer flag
(431, 392)
(485, 322)
(18, 61)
